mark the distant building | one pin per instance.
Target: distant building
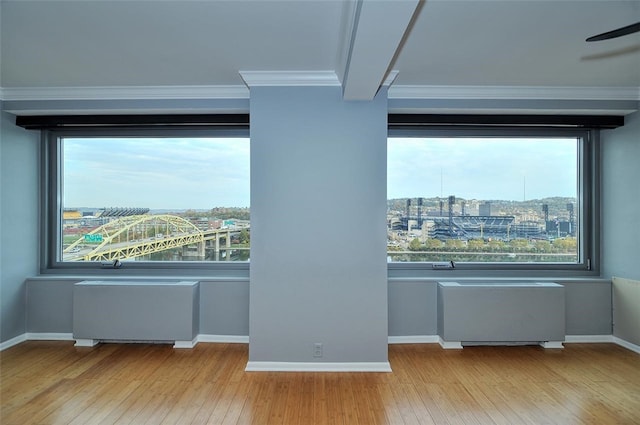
(71, 214)
(201, 223)
(484, 209)
(122, 212)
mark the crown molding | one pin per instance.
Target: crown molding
(511, 111)
(290, 78)
(123, 93)
(316, 78)
(513, 93)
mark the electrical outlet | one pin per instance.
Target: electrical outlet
(317, 349)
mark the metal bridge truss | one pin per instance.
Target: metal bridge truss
(140, 249)
(134, 236)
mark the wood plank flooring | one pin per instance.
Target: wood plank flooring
(56, 383)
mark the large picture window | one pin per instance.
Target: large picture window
(480, 198)
(510, 198)
(149, 198)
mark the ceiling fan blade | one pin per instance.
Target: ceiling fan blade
(629, 29)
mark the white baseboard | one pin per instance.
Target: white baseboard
(552, 345)
(84, 342)
(48, 336)
(414, 339)
(585, 339)
(621, 342)
(594, 339)
(243, 339)
(36, 336)
(229, 339)
(450, 345)
(185, 344)
(13, 341)
(318, 367)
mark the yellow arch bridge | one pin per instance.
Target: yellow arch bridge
(139, 235)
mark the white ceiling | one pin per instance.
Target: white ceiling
(521, 43)
(477, 43)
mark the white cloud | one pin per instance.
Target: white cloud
(180, 173)
(156, 172)
(482, 168)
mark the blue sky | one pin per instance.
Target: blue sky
(156, 173)
(175, 173)
(500, 169)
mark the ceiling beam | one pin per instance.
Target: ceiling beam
(373, 32)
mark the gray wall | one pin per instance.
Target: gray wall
(223, 307)
(413, 306)
(620, 221)
(225, 304)
(19, 185)
(626, 309)
(621, 200)
(318, 240)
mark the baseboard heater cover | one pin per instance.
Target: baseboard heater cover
(501, 313)
(136, 311)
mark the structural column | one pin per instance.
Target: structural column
(318, 290)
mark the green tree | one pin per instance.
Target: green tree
(567, 244)
(226, 213)
(454, 244)
(244, 236)
(433, 244)
(543, 246)
(496, 245)
(190, 213)
(475, 244)
(519, 244)
(415, 245)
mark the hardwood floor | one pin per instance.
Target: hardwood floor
(56, 383)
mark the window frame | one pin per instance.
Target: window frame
(51, 202)
(588, 199)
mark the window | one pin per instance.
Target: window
(148, 197)
(505, 198)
